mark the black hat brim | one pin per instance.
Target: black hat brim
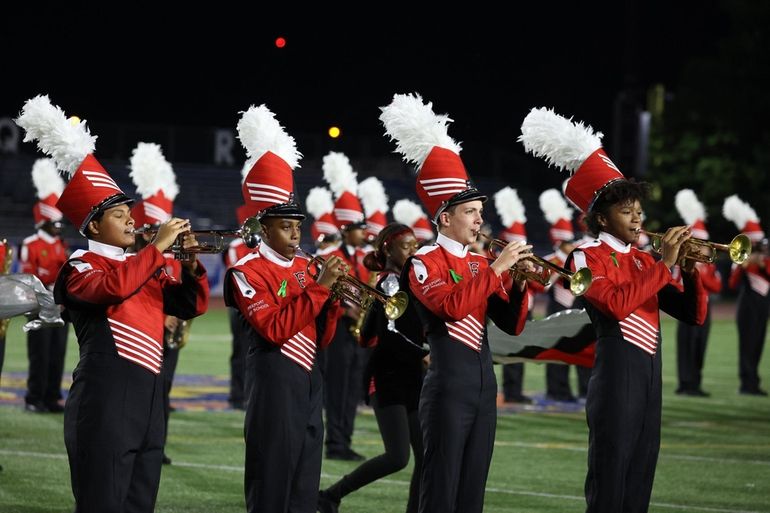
(290, 211)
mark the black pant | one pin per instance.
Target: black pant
(557, 382)
(240, 345)
(584, 376)
(113, 431)
(691, 344)
(344, 387)
(170, 359)
(513, 381)
(399, 429)
(623, 410)
(46, 349)
(752, 314)
(284, 434)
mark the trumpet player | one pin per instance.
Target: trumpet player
(623, 405)
(752, 277)
(156, 183)
(289, 318)
(454, 291)
(113, 417)
(345, 359)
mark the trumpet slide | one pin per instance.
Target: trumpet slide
(249, 232)
(739, 249)
(579, 281)
(355, 291)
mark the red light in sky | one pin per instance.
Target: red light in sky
(280, 42)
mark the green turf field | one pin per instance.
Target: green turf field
(715, 454)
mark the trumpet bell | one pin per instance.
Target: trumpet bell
(739, 248)
(580, 281)
(395, 306)
(250, 231)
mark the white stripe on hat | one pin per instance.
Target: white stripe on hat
(445, 191)
(156, 212)
(325, 227)
(266, 190)
(50, 212)
(346, 214)
(447, 179)
(99, 179)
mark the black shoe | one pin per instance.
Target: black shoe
(35, 407)
(55, 407)
(354, 456)
(326, 504)
(519, 399)
(562, 398)
(166, 460)
(753, 391)
(344, 455)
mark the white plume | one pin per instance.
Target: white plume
(150, 170)
(562, 142)
(246, 168)
(689, 207)
(56, 136)
(736, 210)
(416, 128)
(260, 132)
(319, 202)
(339, 174)
(371, 192)
(554, 206)
(509, 206)
(407, 212)
(46, 178)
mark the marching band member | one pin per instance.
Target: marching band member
(156, 184)
(753, 276)
(412, 215)
(345, 359)
(43, 254)
(290, 318)
(320, 205)
(236, 250)
(371, 192)
(691, 340)
(629, 288)
(559, 215)
(454, 291)
(113, 417)
(510, 209)
(394, 374)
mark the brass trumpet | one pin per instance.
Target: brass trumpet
(701, 250)
(579, 281)
(249, 232)
(355, 291)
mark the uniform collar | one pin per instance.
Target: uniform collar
(107, 250)
(47, 237)
(561, 255)
(350, 249)
(452, 246)
(614, 242)
(275, 257)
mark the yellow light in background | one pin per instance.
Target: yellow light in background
(74, 120)
(334, 132)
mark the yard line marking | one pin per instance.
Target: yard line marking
(396, 482)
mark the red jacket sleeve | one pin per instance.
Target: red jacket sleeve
(189, 297)
(687, 303)
(98, 286)
(451, 301)
(619, 300)
(272, 321)
(709, 275)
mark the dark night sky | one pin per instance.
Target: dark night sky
(483, 67)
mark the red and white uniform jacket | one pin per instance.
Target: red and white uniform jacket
(709, 275)
(560, 296)
(118, 301)
(629, 287)
(43, 255)
(456, 287)
(757, 277)
(3, 251)
(235, 251)
(281, 303)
